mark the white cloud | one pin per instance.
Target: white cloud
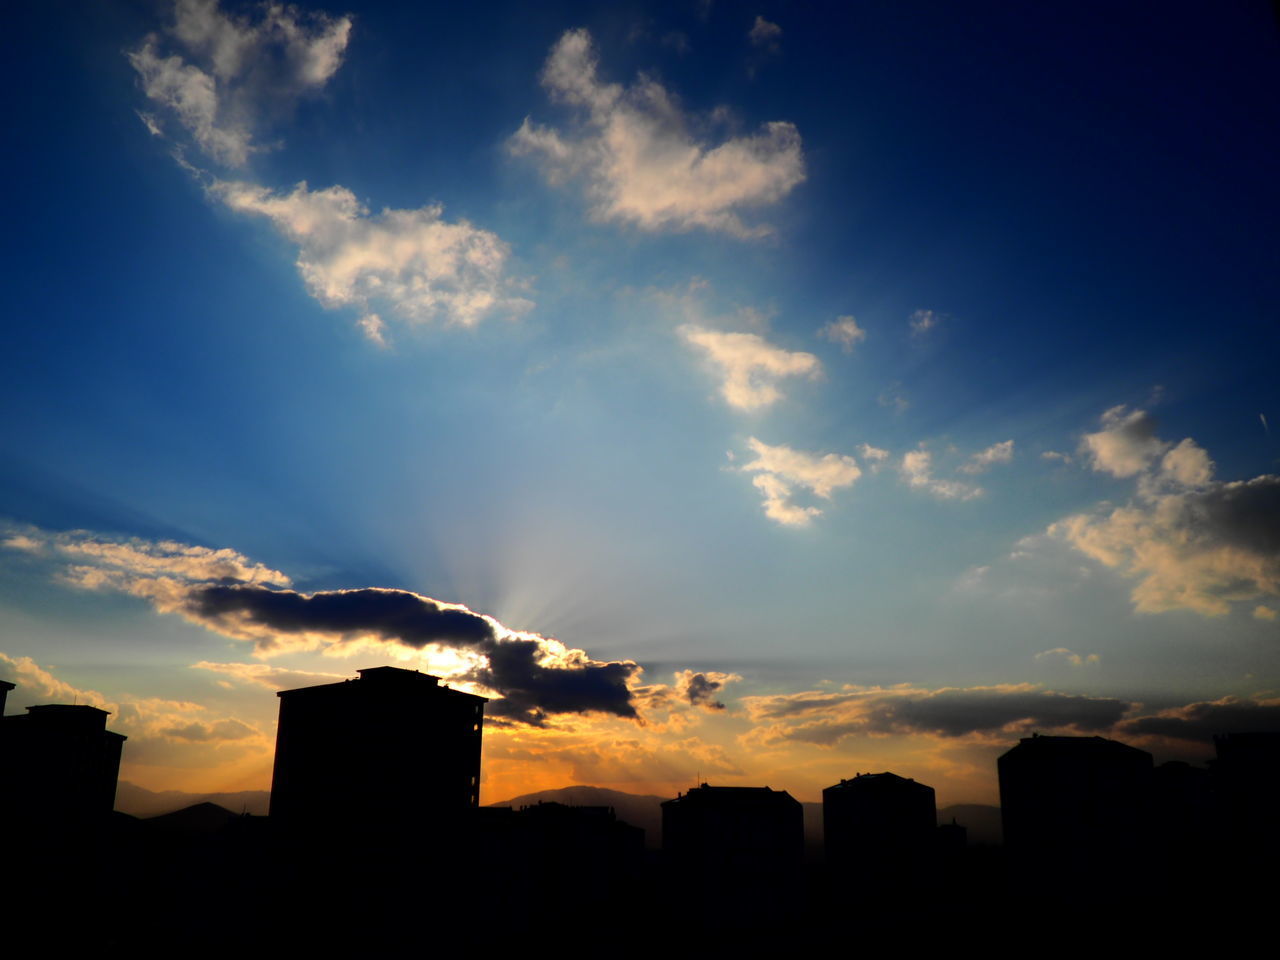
(1192, 543)
(749, 366)
(641, 162)
(844, 331)
(413, 263)
(923, 321)
(1055, 455)
(781, 468)
(982, 461)
(234, 72)
(1126, 445)
(917, 472)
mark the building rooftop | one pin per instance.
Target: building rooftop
(387, 678)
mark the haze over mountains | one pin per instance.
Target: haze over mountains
(638, 810)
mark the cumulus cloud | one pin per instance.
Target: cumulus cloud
(780, 468)
(1126, 445)
(844, 331)
(1191, 542)
(413, 264)
(748, 365)
(232, 73)
(984, 460)
(997, 712)
(641, 158)
(917, 472)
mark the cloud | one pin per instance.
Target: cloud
(1192, 543)
(922, 322)
(222, 730)
(642, 161)
(1075, 659)
(1126, 445)
(166, 558)
(1200, 721)
(1261, 612)
(781, 468)
(982, 461)
(1055, 455)
(412, 263)
(917, 472)
(534, 675)
(235, 72)
(37, 684)
(764, 34)
(144, 720)
(844, 331)
(700, 689)
(748, 365)
(268, 676)
(1001, 712)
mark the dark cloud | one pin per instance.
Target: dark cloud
(701, 691)
(1245, 514)
(827, 718)
(954, 713)
(1200, 721)
(534, 676)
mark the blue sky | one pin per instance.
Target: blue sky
(819, 351)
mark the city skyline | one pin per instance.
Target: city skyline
(753, 396)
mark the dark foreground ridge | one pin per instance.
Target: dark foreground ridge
(376, 841)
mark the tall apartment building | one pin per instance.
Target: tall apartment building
(391, 751)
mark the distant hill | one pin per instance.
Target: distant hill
(140, 802)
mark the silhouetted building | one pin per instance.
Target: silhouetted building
(733, 828)
(1074, 808)
(60, 765)
(879, 823)
(1246, 784)
(392, 751)
(5, 687)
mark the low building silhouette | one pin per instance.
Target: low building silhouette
(880, 824)
(391, 753)
(60, 766)
(733, 828)
(1074, 808)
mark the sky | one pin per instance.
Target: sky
(750, 394)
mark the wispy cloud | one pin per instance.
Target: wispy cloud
(844, 331)
(635, 150)
(923, 322)
(916, 468)
(984, 460)
(748, 365)
(234, 72)
(1064, 655)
